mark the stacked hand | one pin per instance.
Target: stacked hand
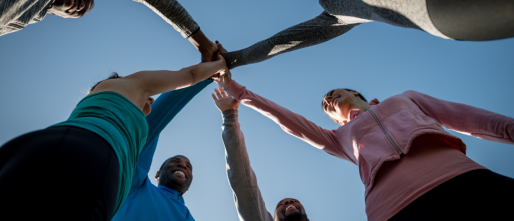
(224, 78)
(208, 49)
(223, 100)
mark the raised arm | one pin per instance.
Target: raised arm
(164, 109)
(156, 82)
(139, 86)
(289, 121)
(315, 31)
(173, 13)
(466, 119)
(177, 16)
(247, 196)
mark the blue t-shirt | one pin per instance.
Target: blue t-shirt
(146, 201)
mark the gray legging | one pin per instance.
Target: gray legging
(470, 20)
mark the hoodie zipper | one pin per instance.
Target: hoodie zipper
(385, 132)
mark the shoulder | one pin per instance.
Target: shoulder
(410, 93)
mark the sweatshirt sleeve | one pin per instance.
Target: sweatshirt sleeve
(315, 31)
(173, 13)
(11, 11)
(466, 119)
(289, 121)
(247, 196)
(164, 109)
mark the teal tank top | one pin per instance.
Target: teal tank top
(121, 123)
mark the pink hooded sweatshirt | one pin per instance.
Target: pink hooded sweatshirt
(385, 131)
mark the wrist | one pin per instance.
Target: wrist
(228, 111)
(202, 43)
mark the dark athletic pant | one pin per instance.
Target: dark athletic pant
(475, 195)
(59, 173)
(473, 20)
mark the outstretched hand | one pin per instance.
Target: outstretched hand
(223, 100)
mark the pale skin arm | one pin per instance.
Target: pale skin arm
(138, 87)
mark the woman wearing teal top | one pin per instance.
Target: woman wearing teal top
(81, 169)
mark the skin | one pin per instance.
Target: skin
(166, 176)
(282, 212)
(148, 106)
(338, 103)
(71, 8)
(204, 46)
(224, 79)
(140, 86)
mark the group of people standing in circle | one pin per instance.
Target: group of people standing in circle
(412, 169)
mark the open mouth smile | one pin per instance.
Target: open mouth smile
(180, 173)
(290, 207)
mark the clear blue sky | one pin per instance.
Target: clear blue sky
(46, 68)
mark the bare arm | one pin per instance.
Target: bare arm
(139, 86)
(466, 119)
(315, 31)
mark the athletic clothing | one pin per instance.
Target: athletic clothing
(247, 196)
(121, 123)
(146, 201)
(459, 19)
(387, 130)
(475, 195)
(173, 13)
(16, 14)
(396, 187)
(60, 173)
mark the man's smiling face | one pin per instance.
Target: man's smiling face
(290, 209)
(176, 173)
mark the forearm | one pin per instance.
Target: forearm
(173, 13)
(289, 121)
(247, 196)
(151, 83)
(315, 31)
(202, 71)
(466, 119)
(168, 105)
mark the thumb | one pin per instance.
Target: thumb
(220, 47)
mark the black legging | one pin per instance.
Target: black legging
(473, 20)
(475, 195)
(59, 173)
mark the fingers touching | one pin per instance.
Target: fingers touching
(221, 49)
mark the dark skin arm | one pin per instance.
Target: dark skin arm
(204, 46)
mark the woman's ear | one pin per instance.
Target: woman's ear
(157, 175)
